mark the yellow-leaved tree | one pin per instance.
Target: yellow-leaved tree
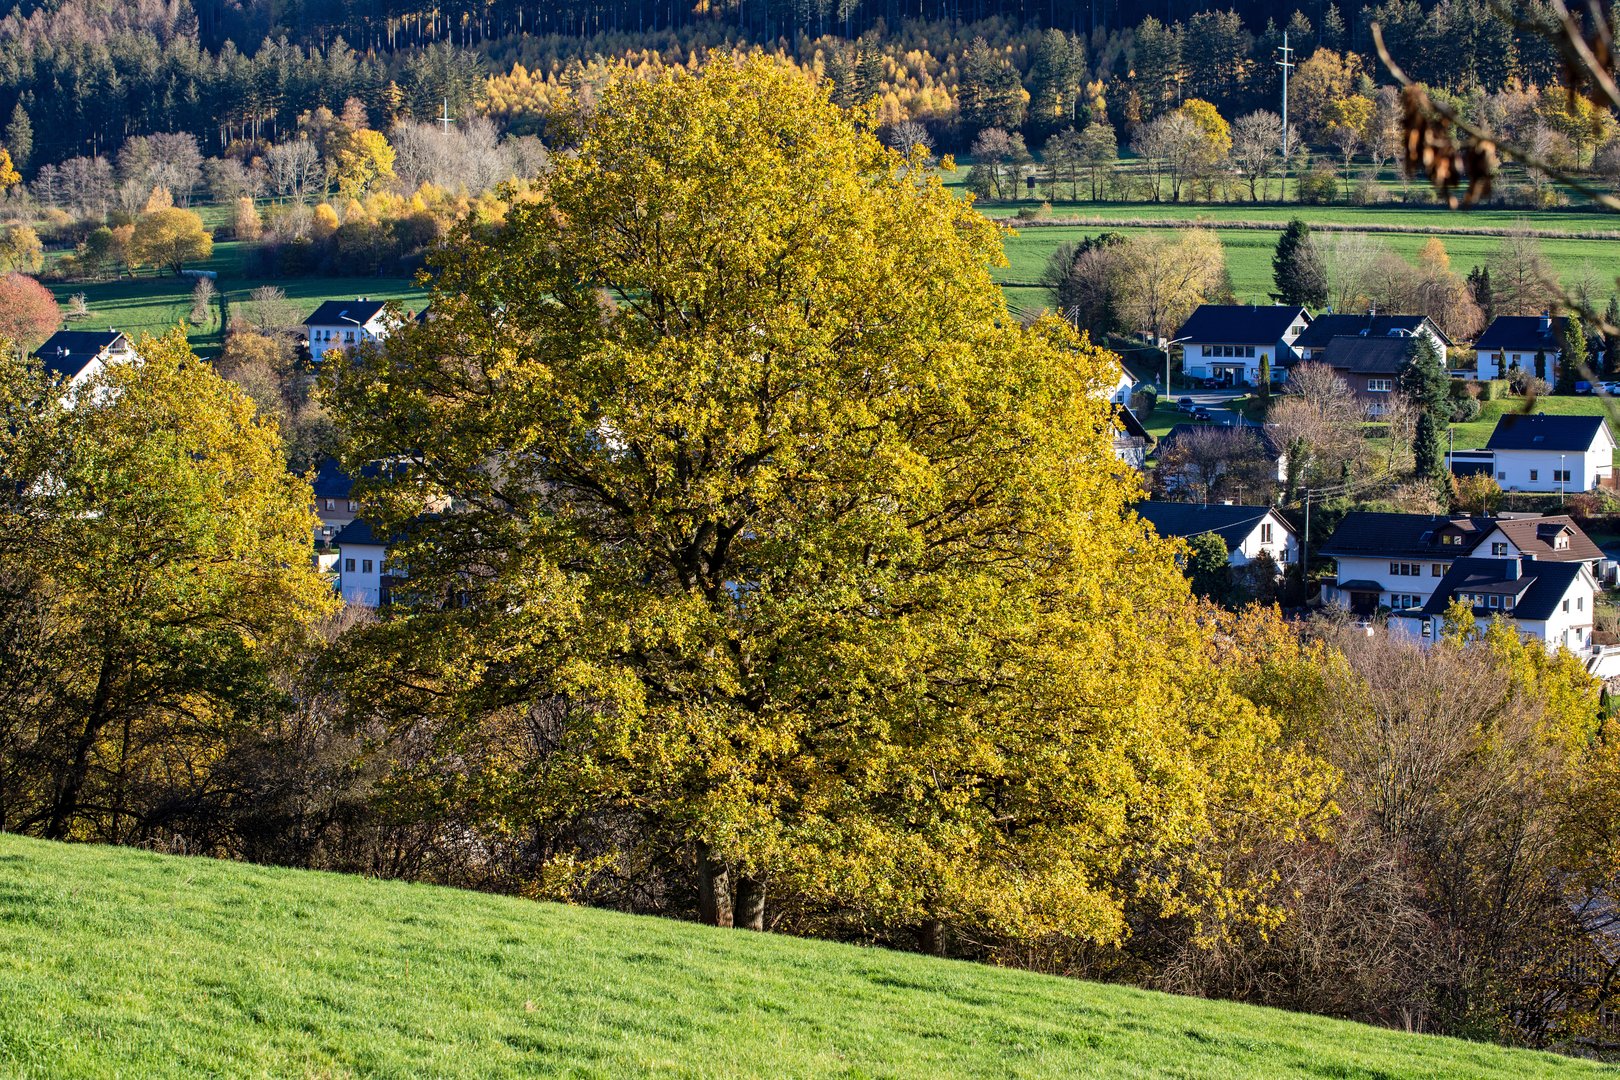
(740, 513)
(360, 159)
(154, 553)
(170, 237)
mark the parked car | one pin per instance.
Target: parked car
(1185, 404)
(1611, 388)
(1583, 387)
(1214, 384)
(1201, 413)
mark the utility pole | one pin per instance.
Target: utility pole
(1287, 65)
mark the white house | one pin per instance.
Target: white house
(1131, 439)
(361, 554)
(1314, 342)
(1397, 561)
(1546, 453)
(343, 324)
(1229, 341)
(1516, 341)
(80, 355)
(1247, 531)
(1549, 602)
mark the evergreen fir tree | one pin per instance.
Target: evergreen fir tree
(1479, 285)
(1297, 268)
(1574, 355)
(1265, 380)
(20, 137)
(1423, 378)
(1611, 342)
(1427, 460)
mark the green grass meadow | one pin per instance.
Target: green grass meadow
(120, 963)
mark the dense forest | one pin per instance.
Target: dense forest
(78, 77)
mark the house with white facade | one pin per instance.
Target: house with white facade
(1395, 562)
(1247, 531)
(1549, 602)
(1517, 341)
(361, 554)
(344, 324)
(78, 356)
(1544, 453)
(1229, 341)
(1131, 439)
(1313, 343)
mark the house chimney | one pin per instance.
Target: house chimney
(1546, 321)
(1513, 568)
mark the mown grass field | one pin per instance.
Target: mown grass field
(1249, 252)
(119, 963)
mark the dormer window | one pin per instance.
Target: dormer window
(1561, 543)
(1499, 549)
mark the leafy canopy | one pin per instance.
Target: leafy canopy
(727, 449)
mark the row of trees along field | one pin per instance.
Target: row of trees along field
(77, 79)
(793, 590)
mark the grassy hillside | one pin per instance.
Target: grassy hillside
(120, 963)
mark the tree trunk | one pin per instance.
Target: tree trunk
(750, 914)
(66, 804)
(714, 890)
(931, 937)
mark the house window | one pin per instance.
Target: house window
(1561, 543)
(1561, 475)
(365, 566)
(1265, 533)
(1493, 601)
(1501, 476)
(1533, 473)
(1566, 603)
(353, 506)
(1507, 603)
(1380, 386)
(1395, 569)
(1437, 570)
(1580, 603)
(1428, 629)
(1498, 549)
(348, 566)
(331, 504)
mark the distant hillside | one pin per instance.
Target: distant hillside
(115, 962)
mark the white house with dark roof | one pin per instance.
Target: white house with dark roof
(1543, 453)
(1515, 341)
(1549, 602)
(1131, 439)
(1247, 531)
(361, 555)
(1229, 341)
(1314, 342)
(343, 324)
(1397, 561)
(78, 356)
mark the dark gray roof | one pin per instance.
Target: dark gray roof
(1522, 332)
(1131, 425)
(1536, 590)
(1369, 355)
(1328, 326)
(331, 482)
(1367, 534)
(1240, 324)
(67, 351)
(1230, 523)
(1569, 434)
(344, 312)
(1268, 442)
(357, 531)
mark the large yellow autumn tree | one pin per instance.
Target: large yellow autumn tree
(739, 512)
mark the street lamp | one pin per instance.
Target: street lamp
(1165, 348)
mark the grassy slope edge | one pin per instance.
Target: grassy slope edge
(115, 962)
